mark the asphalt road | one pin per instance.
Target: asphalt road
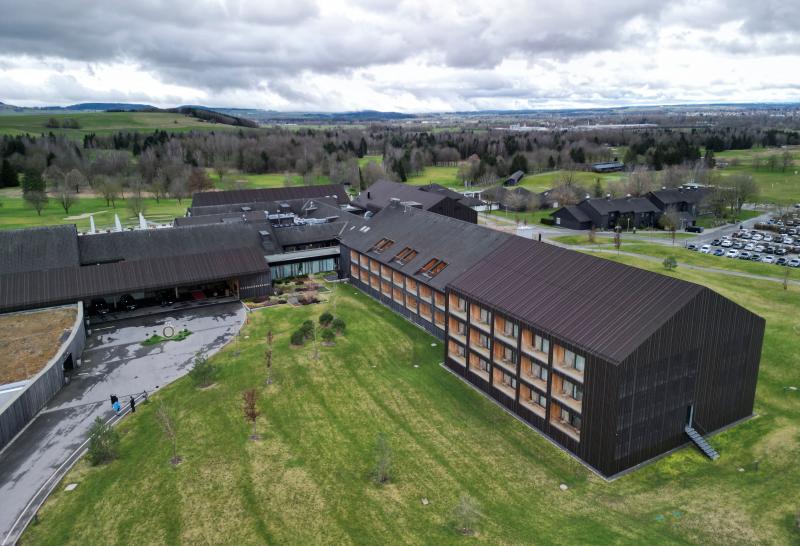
(114, 361)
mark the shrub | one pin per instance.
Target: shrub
(670, 263)
(103, 442)
(548, 221)
(465, 515)
(203, 372)
(298, 337)
(307, 328)
(328, 335)
(325, 318)
(338, 325)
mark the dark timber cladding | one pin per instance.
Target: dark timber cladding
(232, 197)
(624, 355)
(379, 195)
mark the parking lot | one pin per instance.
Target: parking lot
(775, 242)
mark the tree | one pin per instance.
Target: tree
(709, 160)
(33, 191)
(338, 325)
(203, 372)
(109, 187)
(179, 188)
(382, 471)
(743, 189)
(8, 175)
(670, 263)
(670, 221)
(136, 204)
(466, 515)
(199, 181)
(519, 163)
(221, 169)
(250, 409)
(617, 239)
(640, 181)
(786, 160)
(371, 173)
(166, 420)
(103, 442)
(298, 337)
(598, 188)
(75, 179)
(327, 335)
(325, 319)
(268, 357)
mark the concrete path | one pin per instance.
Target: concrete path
(114, 361)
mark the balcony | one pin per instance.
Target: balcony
(481, 350)
(425, 293)
(562, 425)
(500, 359)
(386, 273)
(453, 327)
(563, 368)
(439, 300)
(474, 368)
(508, 390)
(565, 398)
(452, 353)
(525, 401)
(397, 278)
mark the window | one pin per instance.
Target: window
(483, 314)
(483, 365)
(461, 328)
(405, 255)
(382, 245)
(432, 267)
(538, 399)
(571, 389)
(483, 340)
(541, 344)
(570, 418)
(569, 358)
(539, 372)
(459, 349)
(510, 329)
(461, 304)
(580, 363)
(509, 354)
(509, 381)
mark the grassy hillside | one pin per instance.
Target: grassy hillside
(105, 122)
(306, 481)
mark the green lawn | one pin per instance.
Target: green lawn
(367, 158)
(105, 122)
(306, 481)
(15, 213)
(445, 176)
(531, 217)
(710, 221)
(268, 180)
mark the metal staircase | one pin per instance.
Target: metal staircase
(701, 443)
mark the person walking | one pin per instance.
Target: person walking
(133, 405)
(114, 400)
(117, 407)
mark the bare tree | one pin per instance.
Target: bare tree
(221, 170)
(108, 187)
(250, 409)
(137, 204)
(671, 221)
(466, 515)
(640, 181)
(166, 420)
(743, 189)
(268, 357)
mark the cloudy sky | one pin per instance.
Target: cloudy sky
(410, 56)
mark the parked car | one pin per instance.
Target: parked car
(749, 246)
(781, 261)
(694, 229)
(719, 252)
(691, 246)
(98, 306)
(780, 251)
(794, 262)
(768, 259)
(768, 238)
(755, 257)
(738, 245)
(757, 237)
(715, 242)
(744, 255)
(759, 248)
(127, 302)
(727, 243)
(705, 249)
(732, 253)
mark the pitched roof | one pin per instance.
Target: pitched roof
(671, 197)
(621, 205)
(377, 196)
(575, 212)
(38, 248)
(155, 243)
(232, 197)
(452, 194)
(604, 307)
(296, 206)
(459, 244)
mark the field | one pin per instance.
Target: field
(105, 123)
(15, 213)
(777, 186)
(529, 217)
(307, 480)
(29, 340)
(268, 180)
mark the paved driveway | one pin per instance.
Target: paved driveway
(114, 361)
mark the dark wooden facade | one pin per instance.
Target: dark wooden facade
(454, 209)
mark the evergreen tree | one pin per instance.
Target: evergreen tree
(8, 175)
(519, 163)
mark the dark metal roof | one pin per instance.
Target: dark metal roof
(605, 307)
(296, 205)
(309, 233)
(232, 197)
(459, 244)
(452, 194)
(377, 196)
(575, 212)
(38, 248)
(622, 205)
(153, 243)
(69, 284)
(672, 197)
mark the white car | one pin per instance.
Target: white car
(757, 236)
(794, 262)
(768, 259)
(732, 253)
(727, 243)
(767, 238)
(749, 246)
(787, 240)
(760, 248)
(705, 249)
